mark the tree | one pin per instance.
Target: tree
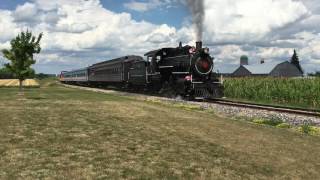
(316, 74)
(21, 55)
(295, 61)
(5, 73)
(1, 63)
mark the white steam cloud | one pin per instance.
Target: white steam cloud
(198, 13)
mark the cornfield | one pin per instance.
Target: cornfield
(15, 83)
(303, 92)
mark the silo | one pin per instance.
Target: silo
(244, 60)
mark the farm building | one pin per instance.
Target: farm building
(284, 69)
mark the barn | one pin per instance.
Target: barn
(284, 69)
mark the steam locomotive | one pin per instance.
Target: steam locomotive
(184, 71)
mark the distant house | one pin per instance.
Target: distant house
(225, 70)
(284, 69)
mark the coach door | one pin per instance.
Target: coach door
(138, 73)
(126, 68)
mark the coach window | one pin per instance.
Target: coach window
(158, 58)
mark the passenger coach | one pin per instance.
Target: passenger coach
(79, 76)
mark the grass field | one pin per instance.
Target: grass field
(15, 83)
(61, 133)
(294, 92)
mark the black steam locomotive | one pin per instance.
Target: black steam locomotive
(183, 71)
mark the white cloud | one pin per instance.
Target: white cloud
(247, 20)
(263, 29)
(25, 12)
(80, 32)
(8, 28)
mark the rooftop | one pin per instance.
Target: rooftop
(264, 68)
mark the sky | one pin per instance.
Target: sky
(78, 33)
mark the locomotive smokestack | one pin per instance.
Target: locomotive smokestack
(199, 45)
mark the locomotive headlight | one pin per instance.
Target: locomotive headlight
(206, 50)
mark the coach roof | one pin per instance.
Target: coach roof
(120, 59)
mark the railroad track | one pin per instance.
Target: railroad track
(283, 109)
(299, 111)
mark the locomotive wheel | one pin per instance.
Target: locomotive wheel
(168, 89)
(218, 92)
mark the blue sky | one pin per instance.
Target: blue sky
(10, 4)
(174, 16)
(78, 33)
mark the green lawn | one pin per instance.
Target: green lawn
(61, 133)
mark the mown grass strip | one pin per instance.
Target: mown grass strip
(55, 132)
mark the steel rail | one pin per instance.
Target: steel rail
(283, 109)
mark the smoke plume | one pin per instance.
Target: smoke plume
(197, 9)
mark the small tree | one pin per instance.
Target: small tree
(295, 61)
(21, 55)
(5, 73)
(1, 62)
(316, 74)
